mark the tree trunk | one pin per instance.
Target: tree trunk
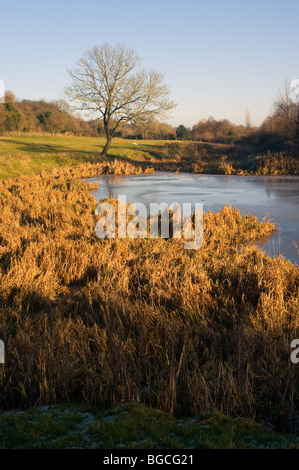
(107, 146)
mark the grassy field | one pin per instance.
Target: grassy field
(32, 154)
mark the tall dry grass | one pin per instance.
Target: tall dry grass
(106, 321)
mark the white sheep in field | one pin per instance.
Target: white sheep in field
(134, 143)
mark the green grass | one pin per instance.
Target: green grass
(32, 154)
(132, 426)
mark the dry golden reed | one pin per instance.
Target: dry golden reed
(107, 321)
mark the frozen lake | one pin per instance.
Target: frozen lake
(277, 196)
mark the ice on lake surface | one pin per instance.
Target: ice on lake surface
(277, 196)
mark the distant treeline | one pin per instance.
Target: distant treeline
(278, 133)
(28, 116)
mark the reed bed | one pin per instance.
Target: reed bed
(111, 321)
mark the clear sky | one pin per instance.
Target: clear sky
(220, 57)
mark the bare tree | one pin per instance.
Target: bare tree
(247, 119)
(286, 110)
(108, 81)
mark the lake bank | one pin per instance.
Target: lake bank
(31, 154)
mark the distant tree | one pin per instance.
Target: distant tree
(98, 126)
(2, 119)
(280, 128)
(107, 81)
(182, 132)
(222, 131)
(62, 105)
(145, 130)
(247, 119)
(286, 111)
(155, 130)
(46, 120)
(165, 131)
(9, 97)
(13, 117)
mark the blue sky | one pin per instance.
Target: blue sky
(220, 57)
